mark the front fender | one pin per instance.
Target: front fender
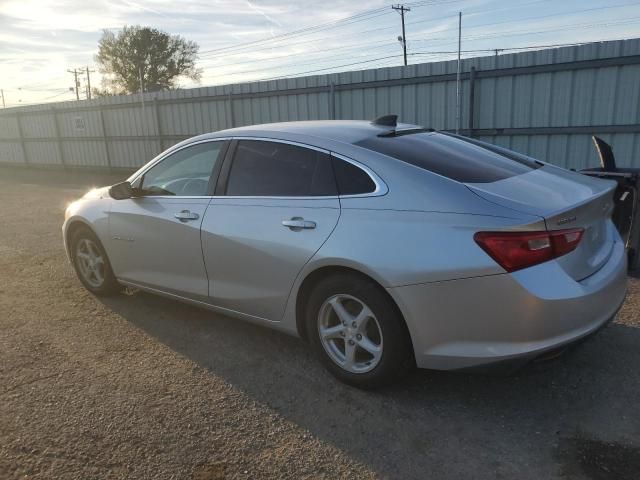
(91, 212)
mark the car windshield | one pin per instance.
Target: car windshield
(454, 157)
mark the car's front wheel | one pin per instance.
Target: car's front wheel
(92, 264)
(357, 331)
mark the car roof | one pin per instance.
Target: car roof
(346, 131)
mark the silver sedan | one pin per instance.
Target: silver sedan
(385, 246)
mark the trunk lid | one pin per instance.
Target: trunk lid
(565, 200)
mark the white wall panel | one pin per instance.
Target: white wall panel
(123, 132)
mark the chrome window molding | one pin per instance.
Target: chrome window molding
(381, 187)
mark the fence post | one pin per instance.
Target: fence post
(332, 101)
(105, 139)
(232, 114)
(156, 110)
(25, 156)
(56, 130)
(472, 92)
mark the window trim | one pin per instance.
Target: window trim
(221, 187)
(213, 179)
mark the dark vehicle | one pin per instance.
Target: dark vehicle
(626, 215)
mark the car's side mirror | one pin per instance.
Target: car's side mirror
(120, 191)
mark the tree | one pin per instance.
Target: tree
(161, 59)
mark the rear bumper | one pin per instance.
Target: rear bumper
(479, 321)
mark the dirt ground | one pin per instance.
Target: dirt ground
(141, 387)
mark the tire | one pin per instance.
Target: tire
(362, 365)
(91, 263)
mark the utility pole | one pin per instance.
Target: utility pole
(402, 9)
(458, 74)
(76, 84)
(89, 83)
(2, 95)
(141, 86)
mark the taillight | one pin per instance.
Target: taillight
(517, 250)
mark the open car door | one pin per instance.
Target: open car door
(626, 214)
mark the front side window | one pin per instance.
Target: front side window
(273, 169)
(184, 173)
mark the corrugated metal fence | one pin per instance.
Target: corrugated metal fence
(545, 103)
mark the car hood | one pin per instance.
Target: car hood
(96, 193)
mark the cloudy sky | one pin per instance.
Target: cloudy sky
(259, 39)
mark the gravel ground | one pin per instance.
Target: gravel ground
(142, 387)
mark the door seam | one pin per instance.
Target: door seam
(295, 280)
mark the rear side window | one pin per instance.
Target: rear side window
(452, 157)
(273, 169)
(351, 179)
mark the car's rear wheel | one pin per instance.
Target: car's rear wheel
(92, 264)
(357, 331)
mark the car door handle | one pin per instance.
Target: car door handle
(186, 215)
(297, 223)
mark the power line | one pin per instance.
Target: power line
(331, 58)
(377, 12)
(366, 15)
(353, 46)
(343, 47)
(362, 32)
(301, 31)
(56, 95)
(386, 61)
(306, 54)
(276, 41)
(574, 12)
(340, 66)
(368, 46)
(514, 33)
(39, 102)
(338, 23)
(35, 86)
(526, 32)
(428, 53)
(331, 68)
(470, 51)
(480, 50)
(292, 44)
(562, 28)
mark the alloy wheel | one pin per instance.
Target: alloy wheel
(90, 262)
(350, 333)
